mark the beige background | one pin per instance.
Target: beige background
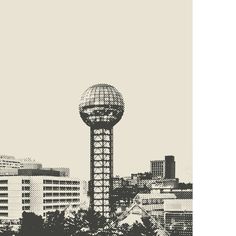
(51, 51)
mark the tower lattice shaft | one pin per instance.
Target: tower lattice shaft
(101, 170)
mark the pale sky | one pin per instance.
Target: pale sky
(52, 51)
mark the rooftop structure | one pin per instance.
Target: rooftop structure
(29, 163)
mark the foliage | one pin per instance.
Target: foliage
(31, 224)
(55, 224)
(149, 226)
(6, 230)
(94, 220)
(80, 223)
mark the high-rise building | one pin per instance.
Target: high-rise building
(169, 167)
(38, 194)
(164, 169)
(101, 107)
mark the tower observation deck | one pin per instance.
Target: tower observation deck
(101, 107)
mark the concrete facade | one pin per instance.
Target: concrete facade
(38, 194)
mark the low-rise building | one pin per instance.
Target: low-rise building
(178, 216)
(153, 202)
(158, 183)
(38, 194)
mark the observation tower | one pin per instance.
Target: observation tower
(101, 107)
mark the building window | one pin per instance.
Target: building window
(4, 214)
(26, 201)
(47, 188)
(25, 195)
(25, 188)
(47, 201)
(3, 201)
(3, 188)
(26, 208)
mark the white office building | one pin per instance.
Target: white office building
(38, 194)
(7, 162)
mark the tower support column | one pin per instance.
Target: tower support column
(101, 171)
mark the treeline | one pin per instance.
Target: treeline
(80, 223)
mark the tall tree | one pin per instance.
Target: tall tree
(75, 223)
(55, 224)
(95, 221)
(31, 224)
(150, 229)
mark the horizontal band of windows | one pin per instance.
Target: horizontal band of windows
(61, 182)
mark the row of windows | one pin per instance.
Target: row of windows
(25, 181)
(57, 207)
(61, 194)
(3, 201)
(3, 194)
(152, 201)
(3, 207)
(3, 188)
(61, 188)
(60, 182)
(6, 163)
(157, 165)
(60, 200)
(3, 181)
(11, 161)
(4, 214)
